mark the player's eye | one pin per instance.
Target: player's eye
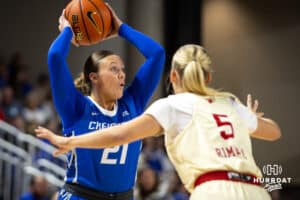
(115, 69)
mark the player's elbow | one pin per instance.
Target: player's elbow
(161, 51)
(54, 56)
(160, 54)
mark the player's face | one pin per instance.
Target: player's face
(112, 77)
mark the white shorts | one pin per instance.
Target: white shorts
(229, 190)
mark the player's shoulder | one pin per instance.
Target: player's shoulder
(183, 101)
(224, 99)
(184, 96)
(89, 102)
(160, 103)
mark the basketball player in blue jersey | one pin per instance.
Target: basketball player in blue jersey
(98, 100)
(207, 132)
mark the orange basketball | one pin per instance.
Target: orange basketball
(90, 20)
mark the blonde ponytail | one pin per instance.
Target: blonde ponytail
(82, 85)
(193, 66)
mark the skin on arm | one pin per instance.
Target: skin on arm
(139, 128)
(266, 129)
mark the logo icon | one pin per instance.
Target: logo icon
(272, 179)
(274, 170)
(94, 114)
(91, 18)
(125, 113)
(76, 28)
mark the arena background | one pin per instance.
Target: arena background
(254, 45)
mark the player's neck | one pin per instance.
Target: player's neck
(103, 102)
(178, 90)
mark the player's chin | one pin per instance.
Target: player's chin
(119, 94)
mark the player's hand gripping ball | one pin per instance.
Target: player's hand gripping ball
(91, 20)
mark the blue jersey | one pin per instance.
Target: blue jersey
(110, 169)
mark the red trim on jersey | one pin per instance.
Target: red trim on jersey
(226, 175)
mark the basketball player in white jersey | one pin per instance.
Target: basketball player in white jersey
(207, 133)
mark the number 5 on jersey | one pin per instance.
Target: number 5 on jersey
(222, 121)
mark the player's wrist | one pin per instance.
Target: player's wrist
(71, 142)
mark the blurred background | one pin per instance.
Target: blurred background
(254, 46)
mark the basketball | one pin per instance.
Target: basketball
(91, 20)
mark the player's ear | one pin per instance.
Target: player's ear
(174, 76)
(93, 76)
(208, 78)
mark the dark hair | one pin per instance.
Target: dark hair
(32, 181)
(83, 82)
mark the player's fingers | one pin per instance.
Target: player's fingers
(112, 35)
(61, 24)
(260, 114)
(110, 8)
(249, 101)
(117, 21)
(59, 152)
(41, 133)
(41, 129)
(255, 106)
(74, 42)
(63, 12)
(60, 19)
(46, 134)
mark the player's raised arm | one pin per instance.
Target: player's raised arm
(148, 75)
(67, 100)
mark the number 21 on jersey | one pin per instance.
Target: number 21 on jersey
(113, 161)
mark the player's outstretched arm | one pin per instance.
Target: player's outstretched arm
(266, 129)
(139, 128)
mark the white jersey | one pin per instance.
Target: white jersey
(204, 134)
